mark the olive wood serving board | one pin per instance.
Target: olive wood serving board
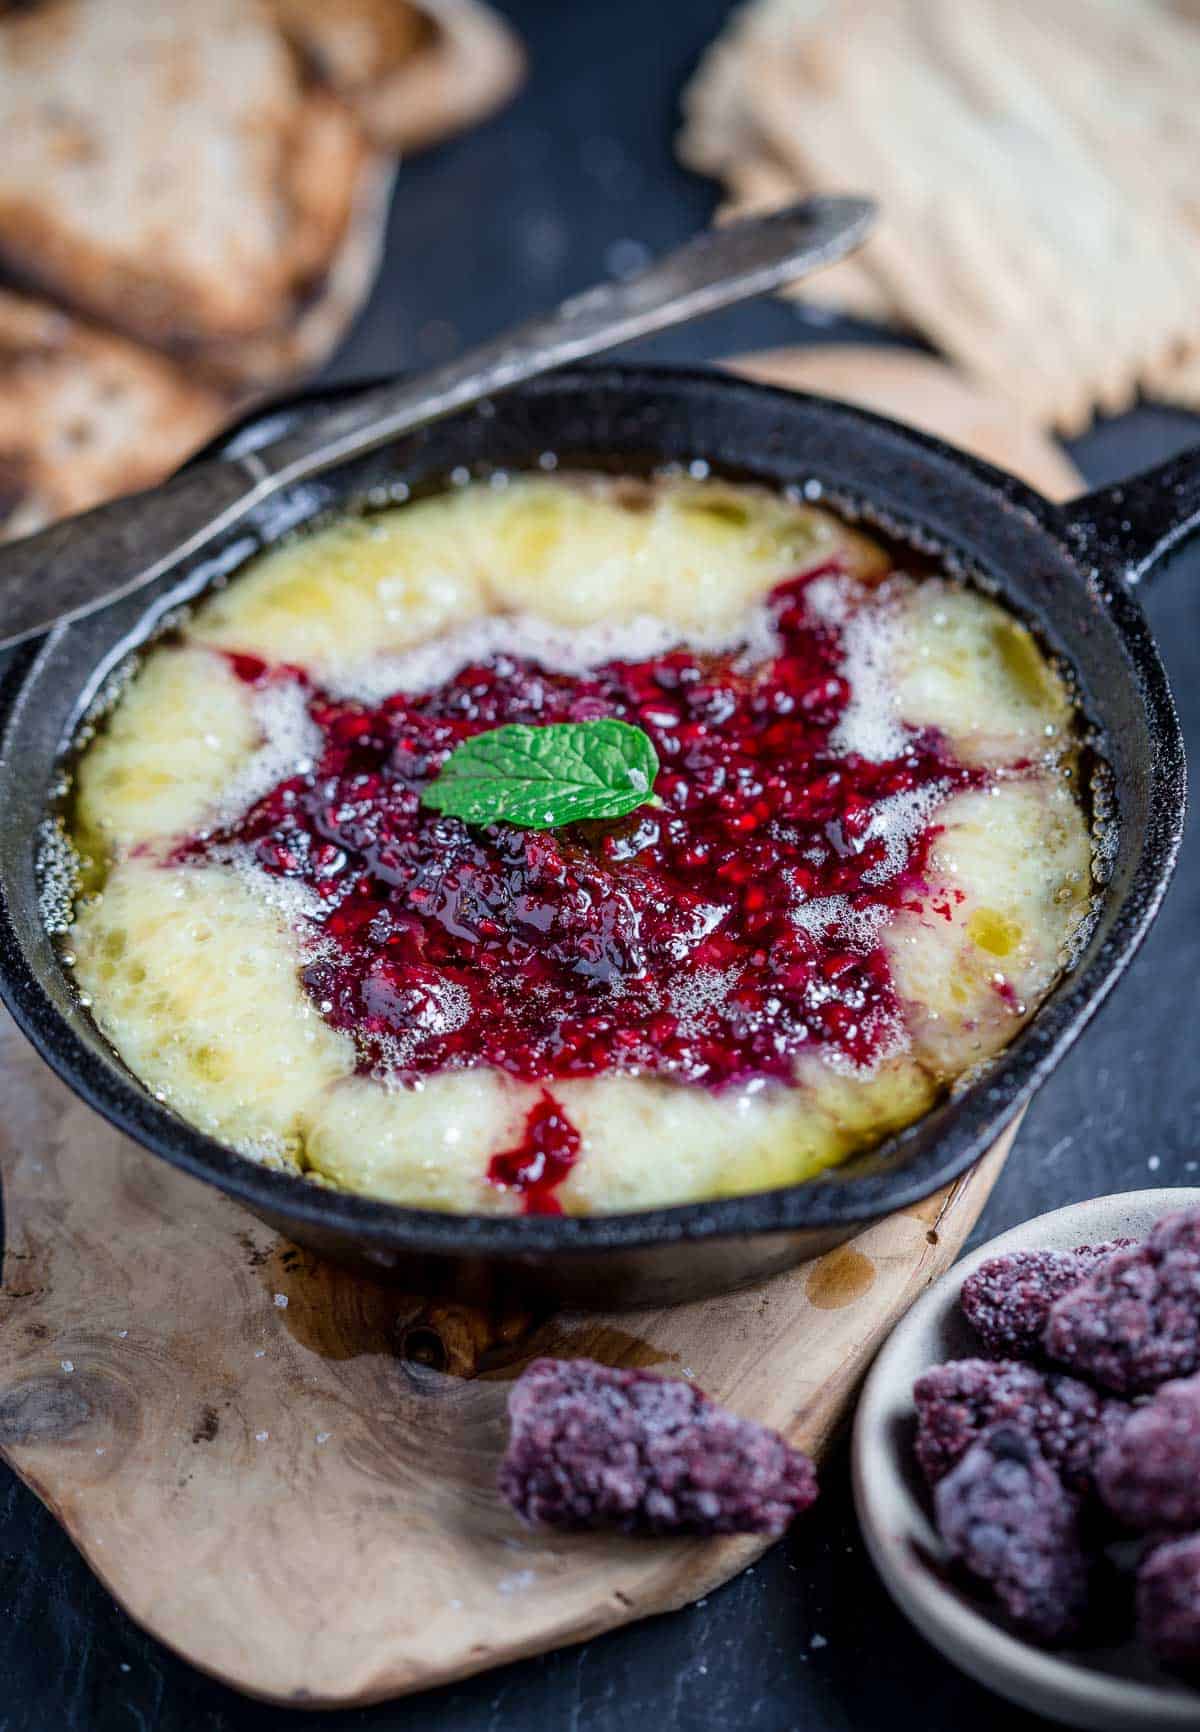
(286, 1472)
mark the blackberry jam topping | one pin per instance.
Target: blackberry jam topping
(710, 937)
(541, 1160)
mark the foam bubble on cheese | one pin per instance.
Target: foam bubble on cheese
(289, 745)
(828, 598)
(298, 903)
(58, 876)
(855, 928)
(888, 1038)
(695, 996)
(447, 1006)
(898, 821)
(561, 649)
(869, 725)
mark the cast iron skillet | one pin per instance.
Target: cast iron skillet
(1068, 572)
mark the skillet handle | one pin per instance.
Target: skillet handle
(1135, 526)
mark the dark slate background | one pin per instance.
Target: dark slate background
(566, 187)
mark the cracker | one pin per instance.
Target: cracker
(1035, 164)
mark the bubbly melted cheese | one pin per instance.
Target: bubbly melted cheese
(193, 971)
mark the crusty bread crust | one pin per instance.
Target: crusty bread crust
(358, 42)
(334, 298)
(413, 73)
(85, 415)
(169, 170)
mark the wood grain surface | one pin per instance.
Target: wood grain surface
(286, 1472)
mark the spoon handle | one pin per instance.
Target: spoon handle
(86, 562)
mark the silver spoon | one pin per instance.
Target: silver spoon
(86, 562)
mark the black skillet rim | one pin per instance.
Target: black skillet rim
(985, 1109)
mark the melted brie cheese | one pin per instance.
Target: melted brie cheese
(195, 981)
(194, 972)
(1011, 871)
(183, 728)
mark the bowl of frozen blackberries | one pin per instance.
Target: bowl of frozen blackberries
(1027, 1463)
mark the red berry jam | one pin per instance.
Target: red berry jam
(542, 1159)
(710, 938)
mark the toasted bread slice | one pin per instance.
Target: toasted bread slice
(325, 313)
(412, 73)
(85, 415)
(169, 170)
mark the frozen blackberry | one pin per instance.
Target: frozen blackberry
(1134, 1320)
(1008, 1299)
(1149, 1475)
(593, 1447)
(1168, 1601)
(957, 1402)
(1008, 1519)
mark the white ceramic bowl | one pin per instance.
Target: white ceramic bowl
(1111, 1690)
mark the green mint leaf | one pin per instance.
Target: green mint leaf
(540, 777)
